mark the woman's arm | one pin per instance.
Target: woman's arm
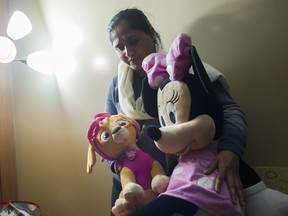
(231, 146)
(234, 130)
(112, 98)
(110, 107)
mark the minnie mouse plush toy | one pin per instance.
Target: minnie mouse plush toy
(191, 120)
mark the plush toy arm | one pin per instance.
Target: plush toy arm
(195, 134)
(160, 180)
(157, 169)
(131, 190)
(91, 159)
(126, 176)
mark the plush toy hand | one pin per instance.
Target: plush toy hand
(133, 192)
(160, 183)
(123, 208)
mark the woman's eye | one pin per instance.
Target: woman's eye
(105, 135)
(133, 42)
(121, 123)
(119, 48)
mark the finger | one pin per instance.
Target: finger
(240, 193)
(211, 167)
(219, 180)
(233, 189)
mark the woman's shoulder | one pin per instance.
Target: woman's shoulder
(115, 80)
(113, 83)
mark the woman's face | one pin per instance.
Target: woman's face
(132, 46)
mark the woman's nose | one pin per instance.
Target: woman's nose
(128, 51)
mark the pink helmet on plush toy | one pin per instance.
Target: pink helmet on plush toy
(92, 133)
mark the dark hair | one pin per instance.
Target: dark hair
(137, 20)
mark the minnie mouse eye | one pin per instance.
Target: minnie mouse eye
(172, 117)
(170, 107)
(163, 123)
(122, 123)
(105, 135)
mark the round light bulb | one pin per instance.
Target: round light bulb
(19, 25)
(41, 61)
(7, 50)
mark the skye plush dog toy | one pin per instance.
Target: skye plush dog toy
(191, 119)
(113, 137)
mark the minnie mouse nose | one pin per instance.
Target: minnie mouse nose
(153, 132)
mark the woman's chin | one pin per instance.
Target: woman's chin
(135, 67)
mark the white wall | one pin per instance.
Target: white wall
(245, 39)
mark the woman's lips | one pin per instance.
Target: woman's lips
(134, 61)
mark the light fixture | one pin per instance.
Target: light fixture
(19, 26)
(41, 61)
(47, 62)
(7, 50)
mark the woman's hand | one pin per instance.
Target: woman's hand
(227, 163)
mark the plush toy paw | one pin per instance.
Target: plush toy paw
(160, 183)
(123, 208)
(133, 192)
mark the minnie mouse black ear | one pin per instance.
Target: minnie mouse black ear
(200, 72)
(149, 97)
(214, 109)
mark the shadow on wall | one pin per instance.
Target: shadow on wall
(248, 42)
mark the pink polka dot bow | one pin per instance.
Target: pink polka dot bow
(175, 64)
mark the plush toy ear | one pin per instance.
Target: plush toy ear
(149, 97)
(91, 159)
(200, 72)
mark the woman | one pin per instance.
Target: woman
(133, 38)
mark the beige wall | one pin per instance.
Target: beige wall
(245, 39)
